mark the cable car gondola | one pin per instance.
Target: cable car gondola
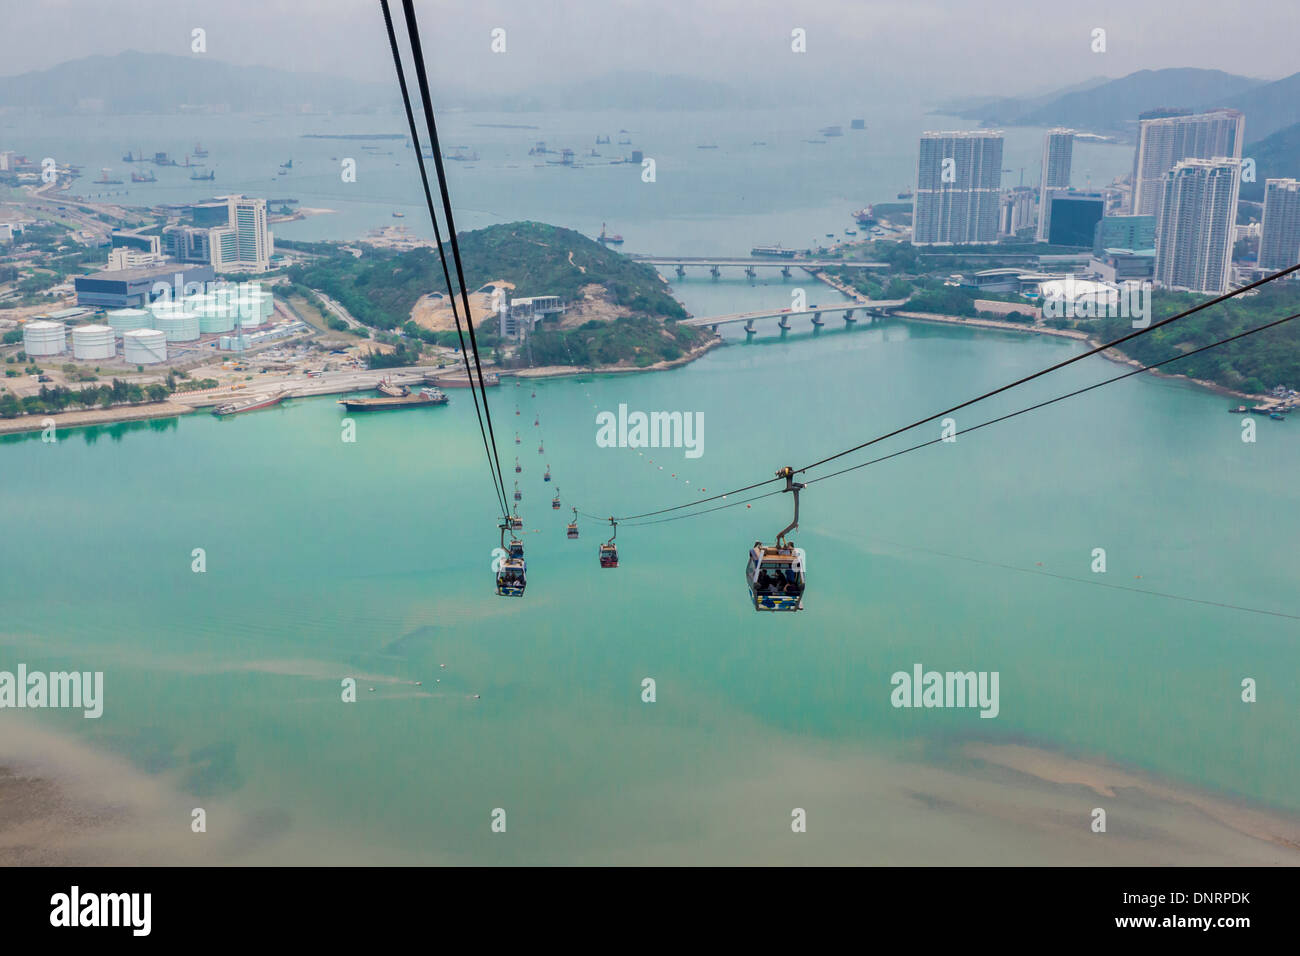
(537, 421)
(573, 525)
(609, 550)
(517, 440)
(516, 522)
(775, 573)
(511, 570)
(534, 395)
(555, 502)
(547, 476)
(518, 494)
(518, 467)
(541, 449)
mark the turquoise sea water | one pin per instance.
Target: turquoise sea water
(327, 559)
(371, 559)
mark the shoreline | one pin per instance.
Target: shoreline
(564, 371)
(97, 416)
(1111, 355)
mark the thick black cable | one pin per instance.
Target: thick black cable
(494, 465)
(994, 421)
(1061, 398)
(1059, 365)
(417, 53)
(1101, 348)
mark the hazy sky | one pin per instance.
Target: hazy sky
(943, 47)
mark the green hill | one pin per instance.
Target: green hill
(1276, 157)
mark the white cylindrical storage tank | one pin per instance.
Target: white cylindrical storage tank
(44, 338)
(93, 342)
(124, 320)
(216, 312)
(144, 347)
(178, 326)
(255, 306)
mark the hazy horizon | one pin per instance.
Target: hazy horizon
(931, 50)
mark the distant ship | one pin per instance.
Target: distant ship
(866, 216)
(426, 396)
(625, 141)
(906, 193)
(288, 165)
(145, 177)
(452, 381)
(832, 131)
(132, 158)
(777, 250)
(602, 140)
(187, 162)
(199, 150)
(210, 174)
(103, 179)
(399, 215)
(607, 238)
(708, 146)
(462, 154)
(250, 404)
(858, 124)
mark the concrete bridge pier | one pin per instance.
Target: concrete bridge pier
(715, 271)
(749, 271)
(785, 272)
(848, 317)
(681, 271)
(817, 319)
(784, 323)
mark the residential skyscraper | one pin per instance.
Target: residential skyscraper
(958, 188)
(1164, 140)
(1279, 231)
(1058, 153)
(1194, 224)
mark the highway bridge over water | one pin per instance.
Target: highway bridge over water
(715, 264)
(871, 308)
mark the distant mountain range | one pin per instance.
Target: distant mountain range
(1112, 106)
(133, 82)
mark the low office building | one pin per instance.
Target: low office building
(134, 288)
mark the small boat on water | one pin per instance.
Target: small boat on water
(426, 396)
(1239, 410)
(1277, 416)
(250, 404)
(461, 381)
(611, 239)
(386, 387)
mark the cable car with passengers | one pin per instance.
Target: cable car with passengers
(609, 550)
(573, 525)
(775, 573)
(511, 569)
